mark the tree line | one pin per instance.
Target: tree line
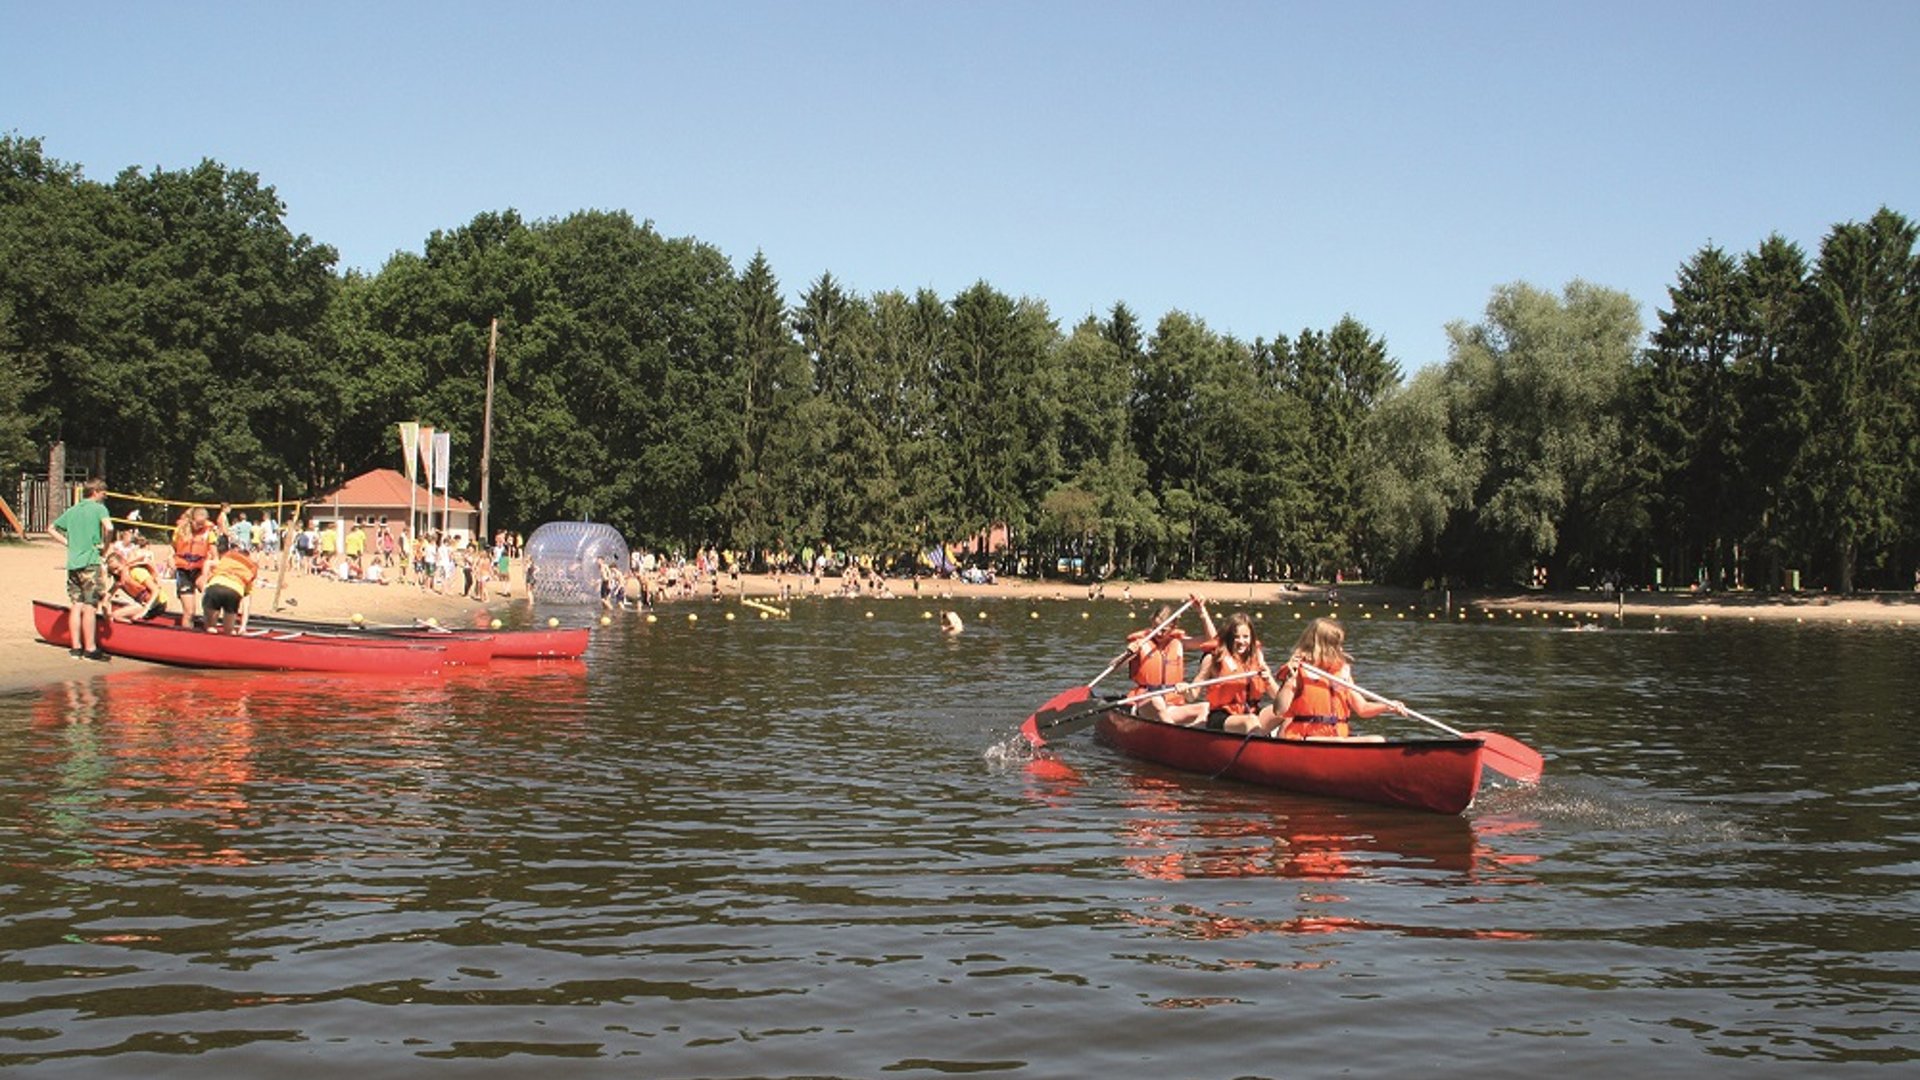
(1766, 425)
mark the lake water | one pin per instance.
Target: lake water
(808, 847)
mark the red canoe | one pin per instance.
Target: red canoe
(462, 650)
(1441, 775)
(566, 643)
(270, 650)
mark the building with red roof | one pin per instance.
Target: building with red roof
(381, 497)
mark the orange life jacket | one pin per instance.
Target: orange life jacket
(192, 549)
(1238, 695)
(1318, 708)
(236, 570)
(1160, 665)
(137, 582)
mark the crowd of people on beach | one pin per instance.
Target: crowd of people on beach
(212, 563)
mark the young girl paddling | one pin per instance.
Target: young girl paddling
(1308, 707)
(1234, 705)
(1159, 663)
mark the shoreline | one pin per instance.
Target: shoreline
(1892, 609)
(33, 569)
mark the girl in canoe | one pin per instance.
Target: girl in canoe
(1309, 707)
(1235, 705)
(1159, 663)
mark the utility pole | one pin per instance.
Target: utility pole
(486, 434)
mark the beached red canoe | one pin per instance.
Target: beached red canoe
(272, 650)
(462, 650)
(1441, 775)
(562, 643)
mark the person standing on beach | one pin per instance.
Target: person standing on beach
(87, 529)
(193, 544)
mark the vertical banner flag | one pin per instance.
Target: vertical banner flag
(409, 442)
(442, 451)
(426, 454)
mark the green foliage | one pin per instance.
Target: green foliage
(1772, 421)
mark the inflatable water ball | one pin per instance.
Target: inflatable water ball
(564, 560)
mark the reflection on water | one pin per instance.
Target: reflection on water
(814, 847)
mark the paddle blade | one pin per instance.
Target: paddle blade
(1509, 756)
(1034, 725)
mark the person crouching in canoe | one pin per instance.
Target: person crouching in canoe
(1308, 707)
(135, 591)
(227, 594)
(1159, 663)
(1235, 705)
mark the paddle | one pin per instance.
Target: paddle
(1052, 714)
(1067, 713)
(1503, 754)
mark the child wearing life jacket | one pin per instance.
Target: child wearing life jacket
(227, 596)
(1309, 707)
(1235, 705)
(1159, 663)
(135, 589)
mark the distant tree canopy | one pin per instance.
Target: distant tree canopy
(1767, 424)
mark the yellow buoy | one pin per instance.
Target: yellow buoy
(926, 614)
(983, 615)
(763, 615)
(1085, 615)
(606, 620)
(729, 616)
(551, 622)
(693, 616)
(431, 621)
(652, 618)
(869, 614)
(496, 624)
(359, 618)
(1033, 614)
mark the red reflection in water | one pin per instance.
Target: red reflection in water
(1307, 840)
(155, 767)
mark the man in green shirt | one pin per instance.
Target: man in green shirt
(87, 530)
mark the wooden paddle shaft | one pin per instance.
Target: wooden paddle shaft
(1134, 699)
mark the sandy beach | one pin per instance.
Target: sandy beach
(33, 570)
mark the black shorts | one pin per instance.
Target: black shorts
(220, 600)
(1217, 719)
(186, 582)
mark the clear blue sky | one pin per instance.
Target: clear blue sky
(1263, 166)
